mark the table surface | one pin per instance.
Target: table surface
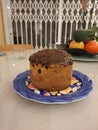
(17, 113)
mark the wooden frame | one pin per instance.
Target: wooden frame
(12, 47)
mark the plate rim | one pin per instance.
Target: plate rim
(85, 58)
(55, 102)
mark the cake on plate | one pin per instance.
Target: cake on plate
(51, 69)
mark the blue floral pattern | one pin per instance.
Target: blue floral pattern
(21, 88)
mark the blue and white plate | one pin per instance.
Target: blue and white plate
(21, 88)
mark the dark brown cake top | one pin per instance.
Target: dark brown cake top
(51, 56)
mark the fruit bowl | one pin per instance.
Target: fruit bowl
(74, 51)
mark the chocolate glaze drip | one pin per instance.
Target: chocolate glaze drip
(51, 56)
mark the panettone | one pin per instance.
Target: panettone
(51, 69)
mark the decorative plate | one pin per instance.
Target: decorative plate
(75, 51)
(81, 86)
(86, 58)
(79, 54)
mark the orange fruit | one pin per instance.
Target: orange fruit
(74, 44)
(91, 46)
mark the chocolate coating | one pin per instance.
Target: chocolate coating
(51, 56)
